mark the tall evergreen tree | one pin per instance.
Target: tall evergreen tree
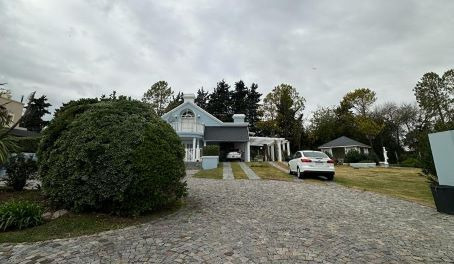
(252, 110)
(176, 101)
(219, 104)
(239, 98)
(33, 116)
(202, 98)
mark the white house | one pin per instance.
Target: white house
(197, 128)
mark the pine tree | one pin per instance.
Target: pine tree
(252, 110)
(35, 110)
(239, 98)
(219, 104)
(176, 101)
(202, 98)
(158, 96)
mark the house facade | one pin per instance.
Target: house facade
(339, 147)
(197, 128)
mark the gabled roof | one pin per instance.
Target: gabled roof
(343, 142)
(185, 104)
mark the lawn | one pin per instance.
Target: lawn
(70, 225)
(210, 174)
(238, 172)
(268, 172)
(404, 183)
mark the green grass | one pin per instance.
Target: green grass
(268, 172)
(70, 225)
(210, 174)
(238, 172)
(404, 183)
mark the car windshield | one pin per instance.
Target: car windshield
(314, 154)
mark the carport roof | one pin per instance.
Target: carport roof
(226, 133)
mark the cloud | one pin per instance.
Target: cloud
(73, 49)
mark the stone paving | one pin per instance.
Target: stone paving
(249, 172)
(264, 222)
(272, 163)
(227, 173)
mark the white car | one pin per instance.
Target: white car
(234, 155)
(311, 162)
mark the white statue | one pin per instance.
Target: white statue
(385, 155)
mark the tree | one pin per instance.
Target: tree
(252, 110)
(33, 116)
(239, 98)
(158, 96)
(219, 104)
(285, 106)
(176, 101)
(361, 100)
(323, 126)
(435, 97)
(202, 98)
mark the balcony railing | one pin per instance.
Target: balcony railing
(188, 127)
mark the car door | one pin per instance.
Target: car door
(294, 161)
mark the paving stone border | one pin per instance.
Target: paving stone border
(249, 172)
(227, 172)
(264, 222)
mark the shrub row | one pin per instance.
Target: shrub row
(211, 150)
(19, 215)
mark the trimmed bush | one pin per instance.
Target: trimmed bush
(18, 170)
(27, 144)
(211, 150)
(354, 156)
(411, 162)
(19, 215)
(113, 156)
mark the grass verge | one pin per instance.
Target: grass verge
(268, 172)
(210, 174)
(238, 172)
(404, 183)
(71, 225)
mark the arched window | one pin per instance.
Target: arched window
(187, 114)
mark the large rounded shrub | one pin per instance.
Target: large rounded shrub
(111, 155)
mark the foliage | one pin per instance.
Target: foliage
(220, 102)
(239, 98)
(253, 113)
(176, 101)
(19, 215)
(7, 146)
(158, 96)
(368, 126)
(19, 169)
(211, 150)
(202, 98)
(435, 97)
(411, 162)
(354, 156)
(33, 116)
(113, 156)
(27, 144)
(361, 100)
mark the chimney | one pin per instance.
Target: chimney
(188, 98)
(238, 118)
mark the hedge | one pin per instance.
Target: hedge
(211, 150)
(114, 156)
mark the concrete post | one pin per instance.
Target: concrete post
(279, 151)
(272, 152)
(248, 151)
(193, 149)
(288, 148)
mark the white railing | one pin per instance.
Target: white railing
(189, 155)
(188, 127)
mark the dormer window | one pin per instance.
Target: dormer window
(187, 114)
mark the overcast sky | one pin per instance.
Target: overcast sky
(72, 49)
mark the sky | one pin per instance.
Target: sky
(72, 49)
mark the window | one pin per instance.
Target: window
(187, 114)
(314, 154)
(297, 155)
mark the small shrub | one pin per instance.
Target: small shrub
(354, 156)
(19, 169)
(411, 162)
(211, 150)
(27, 144)
(114, 156)
(19, 215)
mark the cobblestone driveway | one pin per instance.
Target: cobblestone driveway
(265, 221)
